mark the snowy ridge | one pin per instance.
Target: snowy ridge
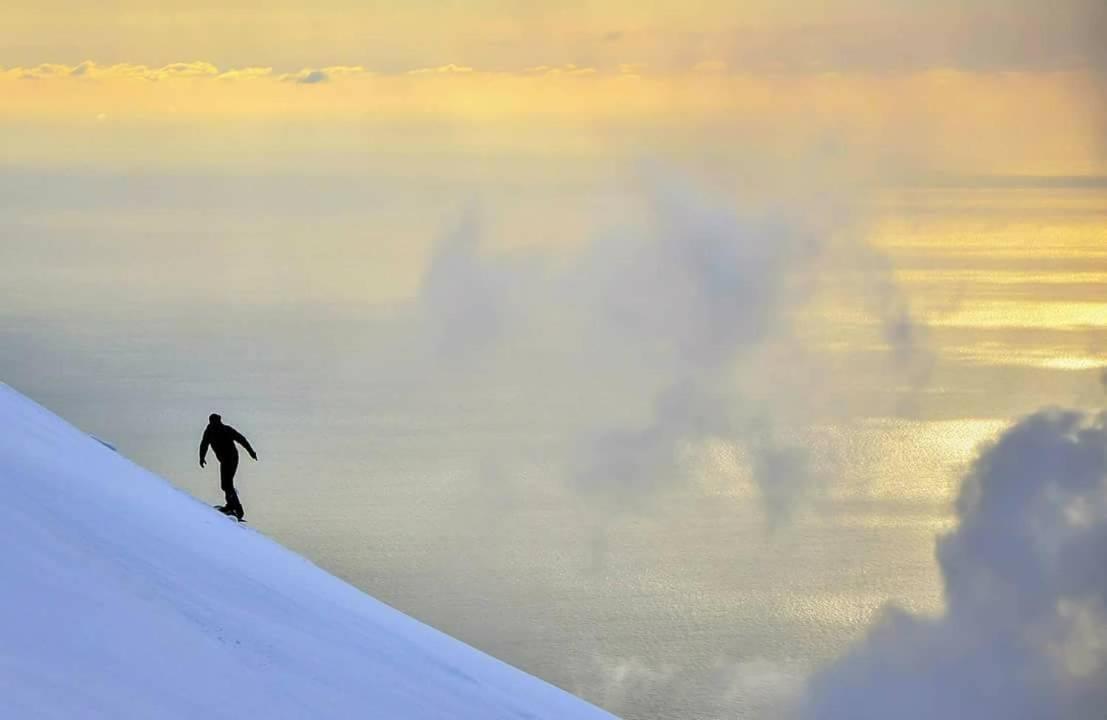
(124, 597)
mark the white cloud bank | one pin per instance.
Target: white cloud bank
(1024, 636)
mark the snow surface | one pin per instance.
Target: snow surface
(123, 597)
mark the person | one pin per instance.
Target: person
(222, 439)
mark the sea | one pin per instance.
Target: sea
(135, 304)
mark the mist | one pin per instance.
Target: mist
(670, 315)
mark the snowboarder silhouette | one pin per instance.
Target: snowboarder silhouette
(222, 439)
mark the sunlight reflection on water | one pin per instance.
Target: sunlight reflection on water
(659, 610)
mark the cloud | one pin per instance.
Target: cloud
(1024, 634)
(184, 70)
(314, 76)
(306, 77)
(247, 73)
(449, 69)
(664, 316)
(38, 72)
(90, 70)
(462, 295)
(752, 688)
(561, 70)
(683, 303)
(899, 327)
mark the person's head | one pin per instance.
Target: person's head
(215, 419)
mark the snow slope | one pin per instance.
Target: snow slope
(123, 597)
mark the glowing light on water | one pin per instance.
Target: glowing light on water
(1022, 314)
(995, 353)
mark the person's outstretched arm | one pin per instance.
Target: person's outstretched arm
(204, 442)
(244, 443)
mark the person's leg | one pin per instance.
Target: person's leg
(226, 475)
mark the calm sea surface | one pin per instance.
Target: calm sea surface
(136, 307)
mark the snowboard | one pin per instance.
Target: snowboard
(222, 509)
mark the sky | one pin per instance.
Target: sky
(947, 87)
(512, 36)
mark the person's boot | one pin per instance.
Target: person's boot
(239, 513)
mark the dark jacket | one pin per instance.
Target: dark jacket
(222, 439)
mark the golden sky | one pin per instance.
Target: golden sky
(1008, 87)
(512, 35)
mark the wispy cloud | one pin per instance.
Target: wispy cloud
(314, 76)
(90, 70)
(306, 77)
(569, 69)
(449, 69)
(671, 312)
(247, 73)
